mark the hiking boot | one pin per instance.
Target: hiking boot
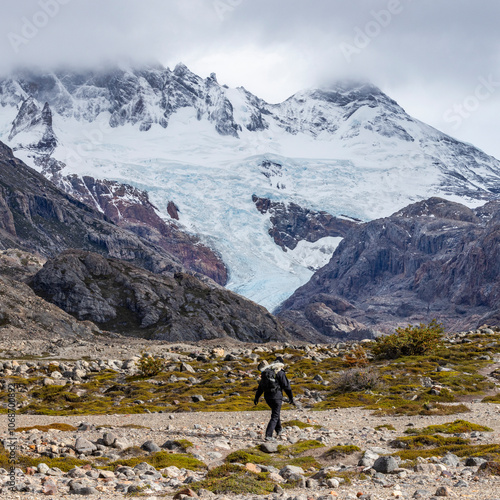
(279, 433)
(267, 438)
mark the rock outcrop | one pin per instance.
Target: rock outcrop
(126, 299)
(149, 95)
(23, 315)
(433, 259)
(139, 96)
(38, 122)
(292, 223)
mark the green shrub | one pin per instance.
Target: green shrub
(410, 341)
(356, 357)
(150, 366)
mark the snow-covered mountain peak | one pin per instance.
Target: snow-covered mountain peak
(146, 96)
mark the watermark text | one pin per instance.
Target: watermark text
(32, 25)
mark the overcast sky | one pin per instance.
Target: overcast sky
(438, 58)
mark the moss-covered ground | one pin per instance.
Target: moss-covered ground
(310, 455)
(439, 382)
(160, 460)
(430, 442)
(456, 427)
(412, 385)
(342, 450)
(234, 479)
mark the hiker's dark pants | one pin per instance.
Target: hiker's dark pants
(275, 422)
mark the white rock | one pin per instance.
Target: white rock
(223, 445)
(43, 468)
(171, 471)
(332, 483)
(121, 444)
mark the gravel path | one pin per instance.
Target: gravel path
(214, 435)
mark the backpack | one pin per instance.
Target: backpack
(268, 381)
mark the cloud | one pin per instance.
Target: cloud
(450, 39)
(87, 32)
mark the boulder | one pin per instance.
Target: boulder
(385, 465)
(84, 446)
(150, 447)
(289, 470)
(108, 438)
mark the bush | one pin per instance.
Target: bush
(356, 357)
(410, 341)
(150, 366)
(356, 379)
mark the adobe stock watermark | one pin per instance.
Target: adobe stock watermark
(364, 36)
(32, 25)
(10, 443)
(92, 138)
(461, 111)
(404, 173)
(224, 7)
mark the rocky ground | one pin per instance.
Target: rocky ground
(215, 435)
(169, 449)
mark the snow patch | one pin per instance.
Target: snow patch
(317, 254)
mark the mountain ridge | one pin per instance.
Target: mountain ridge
(203, 147)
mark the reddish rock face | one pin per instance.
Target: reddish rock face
(39, 217)
(130, 208)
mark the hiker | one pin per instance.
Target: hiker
(272, 383)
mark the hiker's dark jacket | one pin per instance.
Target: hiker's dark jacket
(283, 382)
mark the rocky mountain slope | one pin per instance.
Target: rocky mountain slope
(37, 216)
(129, 300)
(347, 112)
(37, 122)
(433, 259)
(292, 223)
(206, 148)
